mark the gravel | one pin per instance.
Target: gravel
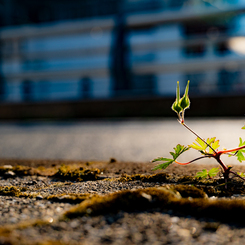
(153, 227)
(36, 220)
(15, 210)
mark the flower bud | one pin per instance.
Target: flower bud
(176, 105)
(185, 101)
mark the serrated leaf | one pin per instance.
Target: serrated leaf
(161, 159)
(211, 140)
(241, 143)
(207, 174)
(213, 172)
(241, 174)
(215, 145)
(202, 174)
(163, 165)
(179, 149)
(202, 146)
(239, 154)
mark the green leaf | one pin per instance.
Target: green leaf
(161, 159)
(241, 143)
(241, 174)
(211, 140)
(213, 172)
(215, 145)
(239, 154)
(163, 165)
(202, 174)
(207, 174)
(178, 150)
(243, 127)
(202, 146)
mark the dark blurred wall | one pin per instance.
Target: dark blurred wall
(20, 12)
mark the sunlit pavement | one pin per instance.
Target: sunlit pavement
(125, 140)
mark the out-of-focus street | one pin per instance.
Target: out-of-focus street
(126, 140)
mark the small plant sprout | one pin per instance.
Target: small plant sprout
(207, 174)
(208, 148)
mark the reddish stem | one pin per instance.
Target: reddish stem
(185, 163)
(231, 150)
(182, 163)
(237, 175)
(216, 155)
(217, 158)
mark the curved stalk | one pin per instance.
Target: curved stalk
(197, 136)
(185, 163)
(231, 150)
(237, 175)
(217, 157)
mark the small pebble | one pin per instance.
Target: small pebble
(9, 174)
(39, 197)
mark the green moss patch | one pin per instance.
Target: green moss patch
(150, 198)
(159, 177)
(124, 200)
(72, 172)
(189, 191)
(212, 187)
(65, 172)
(13, 191)
(18, 170)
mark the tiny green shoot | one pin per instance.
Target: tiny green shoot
(207, 174)
(208, 148)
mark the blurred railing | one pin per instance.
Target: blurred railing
(13, 40)
(34, 55)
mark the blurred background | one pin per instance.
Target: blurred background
(66, 63)
(120, 58)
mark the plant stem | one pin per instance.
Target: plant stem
(197, 136)
(237, 175)
(185, 163)
(217, 157)
(231, 150)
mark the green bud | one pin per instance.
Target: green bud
(176, 105)
(185, 101)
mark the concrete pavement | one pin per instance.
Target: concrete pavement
(125, 140)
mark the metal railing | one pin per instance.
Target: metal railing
(13, 53)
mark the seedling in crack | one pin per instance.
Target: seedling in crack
(208, 148)
(207, 174)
